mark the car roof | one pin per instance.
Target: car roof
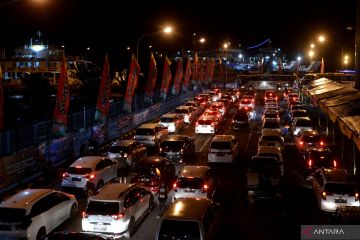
(123, 142)
(152, 160)
(25, 197)
(270, 132)
(169, 115)
(149, 125)
(335, 174)
(187, 209)
(87, 161)
(207, 117)
(175, 137)
(308, 132)
(223, 137)
(268, 149)
(112, 191)
(303, 119)
(194, 171)
(183, 107)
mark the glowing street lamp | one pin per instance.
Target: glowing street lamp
(311, 54)
(166, 30)
(312, 45)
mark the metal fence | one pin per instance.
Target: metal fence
(15, 140)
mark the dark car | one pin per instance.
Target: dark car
(178, 147)
(75, 236)
(152, 171)
(240, 119)
(316, 158)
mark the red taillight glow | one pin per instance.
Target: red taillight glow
(78, 167)
(174, 185)
(321, 143)
(335, 163)
(118, 216)
(85, 215)
(356, 196)
(310, 163)
(301, 142)
(205, 187)
(65, 175)
(91, 176)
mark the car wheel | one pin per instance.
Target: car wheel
(73, 211)
(41, 234)
(131, 228)
(99, 185)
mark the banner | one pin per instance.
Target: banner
(178, 77)
(151, 80)
(322, 68)
(212, 67)
(201, 73)
(221, 71)
(103, 101)
(132, 83)
(62, 101)
(187, 75)
(280, 66)
(207, 70)
(195, 71)
(166, 78)
(1, 102)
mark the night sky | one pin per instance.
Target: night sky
(112, 25)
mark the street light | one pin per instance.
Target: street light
(312, 45)
(166, 30)
(311, 54)
(226, 45)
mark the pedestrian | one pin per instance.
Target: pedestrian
(162, 196)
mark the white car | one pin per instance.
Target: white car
(333, 188)
(207, 124)
(301, 123)
(90, 173)
(33, 213)
(174, 122)
(271, 138)
(117, 209)
(194, 181)
(223, 149)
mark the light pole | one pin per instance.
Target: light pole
(226, 45)
(165, 30)
(311, 54)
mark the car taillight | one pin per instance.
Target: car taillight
(321, 143)
(65, 175)
(324, 195)
(356, 196)
(118, 216)
(301, 142)
(205, 188)
(175, 187)
(90, 176)
(335, 163)
(310, 163)
(85, 215)
(125, 154)
(24, 225)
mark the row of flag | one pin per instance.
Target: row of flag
(195, 71)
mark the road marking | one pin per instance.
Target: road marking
(201, 149)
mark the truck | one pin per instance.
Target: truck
(264, 179)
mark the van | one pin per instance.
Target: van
(174, 122)
(117, 209)
(190, 218)
(151, 134)
(223, 149)
(194, 181)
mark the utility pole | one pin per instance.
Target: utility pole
(357, 46)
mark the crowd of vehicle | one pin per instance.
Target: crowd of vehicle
(157, 166)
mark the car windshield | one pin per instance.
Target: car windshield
(167, 119)
(173, 229)
(119, 149)
(79, 170)
(220, 145)
(205, 122)
(194, 183)
(102, 208)
(174, 146)
(12, 214)
(271, 124)
(271, 115)
(340, 188)
(144, 131)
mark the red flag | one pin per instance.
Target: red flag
(280, 66)
(212, 66)
(187, 74)
(62, 101)
(261, 66)
(1, 102)
(322, 69)
(207, 70)
(195, 71)
(132, 82)
(178, 77)
(221, 71)
(103, 101)
(152, 76)
(166, 78)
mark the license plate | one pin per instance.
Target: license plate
(76, 179)
(145, 180)
(340, 200)
(190, 190)
(99, 228)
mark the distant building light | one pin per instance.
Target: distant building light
(267, 57)
(188, 51)
(240, 55)
(279, 49)
(274, 63)
(273, 54)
